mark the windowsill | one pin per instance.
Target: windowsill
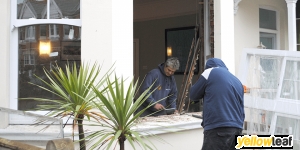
(168, 123)
(152, 125)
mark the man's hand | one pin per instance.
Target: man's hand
(176, 112)
(159, 106)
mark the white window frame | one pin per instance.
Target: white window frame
(270, 35)
(14, 54)
(281, 103)
(282, 107)
(276, 32)
(274, 122)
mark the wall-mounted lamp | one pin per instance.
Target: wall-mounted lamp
(45, 47)
(169, 51)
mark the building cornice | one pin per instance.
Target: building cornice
(291, 1)
(236, 5)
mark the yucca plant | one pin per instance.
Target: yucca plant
(73, 87)
(119, 108)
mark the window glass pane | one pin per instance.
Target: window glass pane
(298, 9)
(258, 122)
(54, 31)
(30, 33)
(43, 32)
(22, 34)
(263, 75)
(270, 70)
(58, 9)
(79, 33)
(178, 42)
(268, 40)
(68, 32)
(32, 62)
(298, 24)
(267, 19)
(31, 9)
(65, 9)
(291, 81)
(298, 33)
(289, 126)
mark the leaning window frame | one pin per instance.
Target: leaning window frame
(277, 31)
(282, 103)
(281, 107)
(15, 24)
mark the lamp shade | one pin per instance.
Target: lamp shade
(169, 51)
(45, 47)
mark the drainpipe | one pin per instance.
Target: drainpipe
(207, 53)
(291, 5)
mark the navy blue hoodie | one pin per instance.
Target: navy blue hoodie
(223, 96)
(166, 87)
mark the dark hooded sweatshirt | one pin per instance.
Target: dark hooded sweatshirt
(167, 90)
(223, 96)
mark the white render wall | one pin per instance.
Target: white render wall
(184, 134)
(122, 36)
(96, 31)
(183, 140)
(107, 34)
(4, 53)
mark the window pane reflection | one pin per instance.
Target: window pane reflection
(289, 126)
(264, 72)
(267, 19)
(32, 61)
(298, 32)
(291, 78)
(64, 9)
(58, 9)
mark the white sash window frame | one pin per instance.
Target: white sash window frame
(273, 32)
(15, 24)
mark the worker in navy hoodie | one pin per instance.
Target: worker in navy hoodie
(223, 105)
(165, 94)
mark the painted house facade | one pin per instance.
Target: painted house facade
(132, 34)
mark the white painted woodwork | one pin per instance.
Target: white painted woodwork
(291, 5)
(224, 33)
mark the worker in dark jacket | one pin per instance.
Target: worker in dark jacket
(166, 93)
(223, 105)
